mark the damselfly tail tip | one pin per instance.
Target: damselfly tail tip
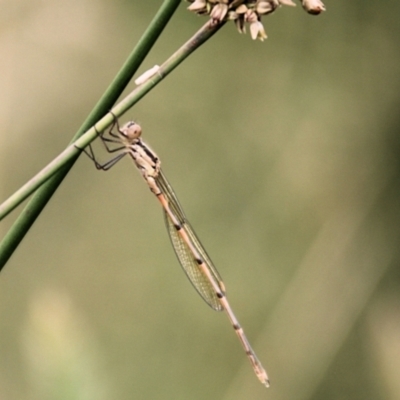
(263, 377)
(264, 381)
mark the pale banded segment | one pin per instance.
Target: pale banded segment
(191, 254)
(189, 257)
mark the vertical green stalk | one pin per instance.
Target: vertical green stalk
(43, 195)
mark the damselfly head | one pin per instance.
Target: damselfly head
(131, 130)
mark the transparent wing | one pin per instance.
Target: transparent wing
(183, 252)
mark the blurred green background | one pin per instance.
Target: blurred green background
(285, 156)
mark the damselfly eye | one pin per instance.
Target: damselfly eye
(131, 130)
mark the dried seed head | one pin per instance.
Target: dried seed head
(266, 7)
(198, 6)
(257, 31)
(240, 26)
(248, 11)
(219, 11)
(313, 7)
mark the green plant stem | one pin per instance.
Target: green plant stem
(62, 162)
(43, 195)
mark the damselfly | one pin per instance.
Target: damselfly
(191, 254)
